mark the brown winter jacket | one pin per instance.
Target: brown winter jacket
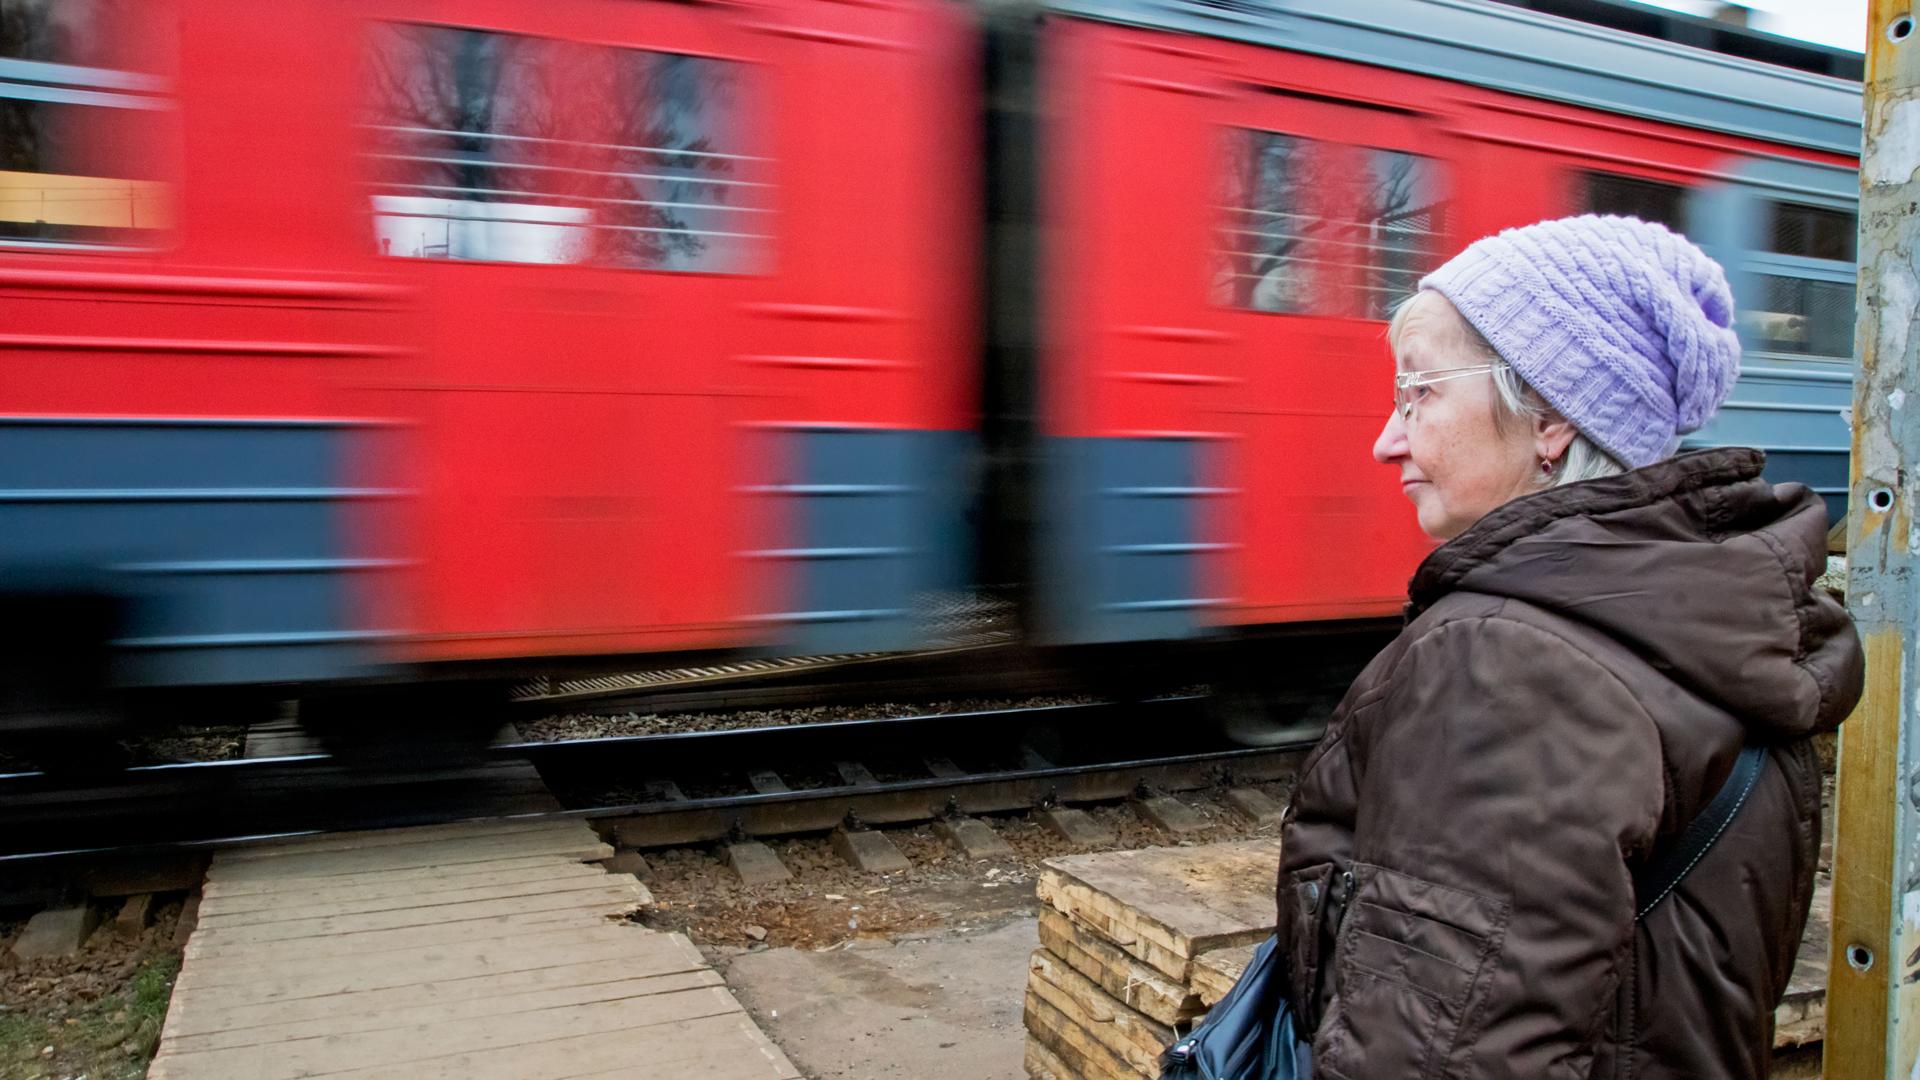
(1578, 672)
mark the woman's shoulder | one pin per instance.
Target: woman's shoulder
(1512, 638)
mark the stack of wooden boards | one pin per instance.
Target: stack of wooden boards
(1125, 939)
(1137, 945)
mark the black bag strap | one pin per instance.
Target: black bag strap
(1653, 886)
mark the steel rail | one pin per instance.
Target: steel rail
(1012, 759)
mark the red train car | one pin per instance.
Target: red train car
(1242, 189)
(377, 338)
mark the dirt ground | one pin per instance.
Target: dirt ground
(95, 1015)
(829, 903)
(777, 941)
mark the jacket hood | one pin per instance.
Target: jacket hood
(1699, 565)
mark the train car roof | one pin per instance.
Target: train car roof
(1617, 57)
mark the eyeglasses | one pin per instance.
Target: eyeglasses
(1406, 382)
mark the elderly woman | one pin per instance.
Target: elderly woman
(1604, 629)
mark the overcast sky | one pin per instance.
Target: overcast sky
(1841, 23)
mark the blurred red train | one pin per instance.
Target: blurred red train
(362, 343)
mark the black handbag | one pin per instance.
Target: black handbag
(1250, 1034)
(1247, 1035)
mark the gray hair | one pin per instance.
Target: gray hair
(1517, 403)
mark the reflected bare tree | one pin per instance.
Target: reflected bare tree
(1304, 216)
(1270, 225)
(1392, 233)
(441, 96)
(676, 128)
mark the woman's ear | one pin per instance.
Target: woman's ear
(1552, 434)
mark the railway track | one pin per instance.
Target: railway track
(651, 790)
(811, 777)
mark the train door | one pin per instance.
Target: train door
(575, 191)
(1327, 213)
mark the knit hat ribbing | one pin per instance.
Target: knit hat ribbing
(1623, 326)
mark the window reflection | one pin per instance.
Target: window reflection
(68, 119)
(1800, 315)
(1263, 261)
(518, 149)
(464, 120)
(1311, 227)
(686, 199)
(1393, 234)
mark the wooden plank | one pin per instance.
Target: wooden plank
(499, 928)
(290, 910)
(1800, 1019)
(321, 864)
(1043, 1064)
(1168, 905)
(611, 898)
(202, 1013)
(1124, 976)
(218, 901)
(398, 848)
(408, 1008)
(720, 1047)
(570, 828)
(228, 945)
(742, 1052)
(1086, 1056)
(425, 877)
(1863, 849)
(1125, 1031)
(320, 1056)
(1215, 973)
(249, 994)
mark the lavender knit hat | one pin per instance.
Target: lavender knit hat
(1624, 327)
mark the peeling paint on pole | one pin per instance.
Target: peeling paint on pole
(1895, 126)
(1873, 1003)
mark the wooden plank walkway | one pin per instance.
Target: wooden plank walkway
(482, 951)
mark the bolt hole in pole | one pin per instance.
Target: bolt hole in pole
(1880, 500)
(1900, 29)
(1859, 957)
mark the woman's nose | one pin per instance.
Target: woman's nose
(1391, 444)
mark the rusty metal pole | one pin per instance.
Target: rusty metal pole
(1873, 994)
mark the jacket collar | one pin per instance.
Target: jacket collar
(1699, 470)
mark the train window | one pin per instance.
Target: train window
(1631, 196)
(1391, 238)
(470, 143)
(1315, 227)
(1263, 261)
(69, 114)
(1803, 316)
(1799, 299)
(683, 199)
(1814, 232)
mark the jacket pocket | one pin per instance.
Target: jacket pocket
(1409, 958)
(1305, 896)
